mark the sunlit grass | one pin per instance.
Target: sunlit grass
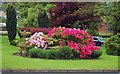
(10, 61)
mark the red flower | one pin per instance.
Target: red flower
(62, 43)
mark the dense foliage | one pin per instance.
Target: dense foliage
(112, 46)
(77, 39)
(51, 54)
(23, 46)
(43, 19)
(11, 22)
(28, 12)
(64, 52)
(111, 13)
(73, 14)
(64, 43)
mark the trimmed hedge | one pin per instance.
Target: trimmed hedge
(40, 53)
(62, 53)
(95, 54)
(66, 52)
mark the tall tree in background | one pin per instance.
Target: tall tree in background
(111, 11)
(28, 12)
(73, 14)
(43, 20)
(11, 22)
(63, 14)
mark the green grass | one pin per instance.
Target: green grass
(10, 61)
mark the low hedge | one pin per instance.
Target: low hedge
(95, 54)
(62, 53)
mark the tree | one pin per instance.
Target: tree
(111, 11)
(28, 12)
(11, 22)
(73, 14)
(43, 20)
(62, 14)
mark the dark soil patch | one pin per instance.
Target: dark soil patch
(19, 54)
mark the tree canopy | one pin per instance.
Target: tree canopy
(28, 12)
(111, 12)
(73, 14)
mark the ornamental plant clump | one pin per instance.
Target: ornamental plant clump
(79, 40)
(38, 40)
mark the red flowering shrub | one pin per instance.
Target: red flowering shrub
(77, 39)
(33, 30)
(44, 30)
(25, 29)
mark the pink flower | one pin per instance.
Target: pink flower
(70, 44)
(76, 46)
(37, 40)
(77, 39)
(62, 43)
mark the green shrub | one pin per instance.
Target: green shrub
(117, 41)
(52, 54)
(66, 52)
(40, 53)
(93, 32)
(113, 49)
(63, 53)
(25, 34)
(23, 46)
(118, 49)
(113, 38)
(112, 45)
(95, 54)
(14, 42)
(36, 53)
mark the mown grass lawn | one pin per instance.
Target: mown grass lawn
(10, 61)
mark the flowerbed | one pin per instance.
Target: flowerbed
(64, 43)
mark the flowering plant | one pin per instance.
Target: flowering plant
(38, 40)
(77, 39)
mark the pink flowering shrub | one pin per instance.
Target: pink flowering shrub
(77, 39)
(38, 40)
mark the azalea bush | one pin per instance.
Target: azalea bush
(38, 40)
(23, 46)
(79, 40)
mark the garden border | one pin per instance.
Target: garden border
(63, 71)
